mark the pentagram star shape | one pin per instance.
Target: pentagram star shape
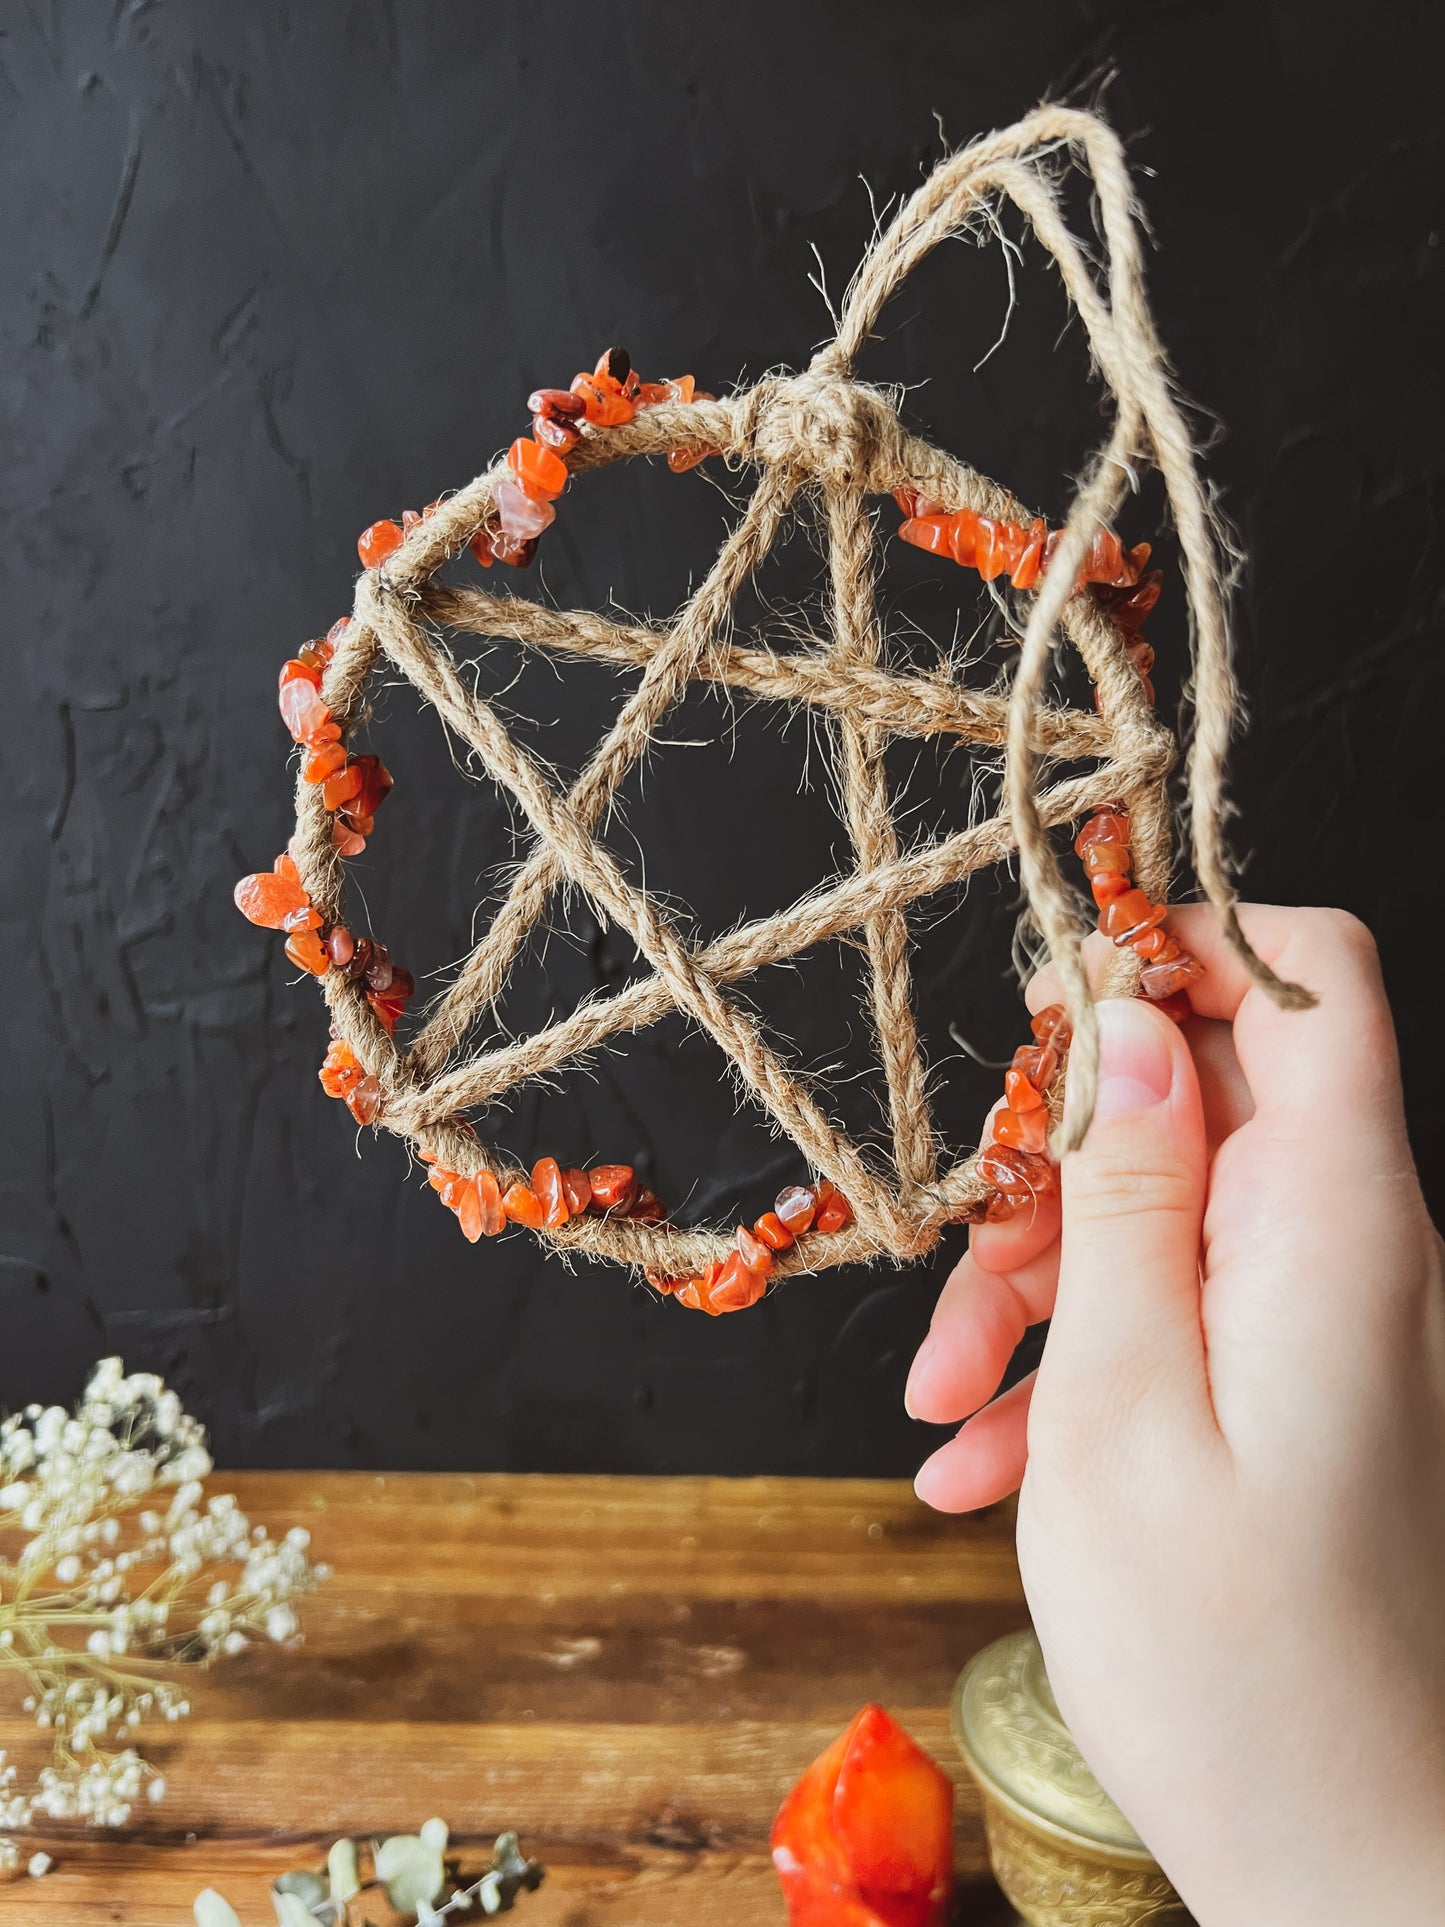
(827, 439)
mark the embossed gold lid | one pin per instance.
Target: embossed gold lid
(1009, 1731)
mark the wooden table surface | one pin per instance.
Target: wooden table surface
(631, 1672)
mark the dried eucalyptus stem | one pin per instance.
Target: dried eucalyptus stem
(117, 1576)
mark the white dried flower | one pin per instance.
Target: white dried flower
(88, 1657)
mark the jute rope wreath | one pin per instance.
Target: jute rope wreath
(828, 441)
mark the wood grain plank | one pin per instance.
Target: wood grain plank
(631, 1671)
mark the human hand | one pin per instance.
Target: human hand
(1232, 1513)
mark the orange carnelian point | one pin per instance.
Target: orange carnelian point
(865, 1838)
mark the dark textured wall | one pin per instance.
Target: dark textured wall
(273, 270)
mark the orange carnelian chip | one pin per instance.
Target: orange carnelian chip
(547, 1183)
(1104, 826)
(1106, 886)
(341, 786)
(1130, 916)
(523, 1206)
(1159, 981)
(834, 1212)
(1051, 1023)
(375, 784)
(613, 1186)
(930, 532)
(737, 1287)
(1024, 1130)
(539, 471)
(489, 1198)
(755, 1254)
(462, 1197)
(1111, 858)
(797, 1207)
(773, 1232)
(647, 1208)
(1020, 1092)
(323, 762)
(306, 949)
(577, 1190)
(375, 544)
(275, 899)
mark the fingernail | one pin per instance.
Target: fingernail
(918, 1372)
(1136, 1067)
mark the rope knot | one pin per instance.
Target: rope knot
(820, 424)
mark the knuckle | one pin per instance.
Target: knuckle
(1342, 930)
(1105, 1181)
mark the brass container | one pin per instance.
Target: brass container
(1061, 1850)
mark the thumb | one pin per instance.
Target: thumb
(1133, 1209)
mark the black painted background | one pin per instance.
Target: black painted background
(272, 270)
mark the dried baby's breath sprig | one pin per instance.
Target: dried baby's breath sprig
(117, 1575)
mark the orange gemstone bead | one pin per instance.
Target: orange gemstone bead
(299, 700)
(613, 1186)
(275, 899)
(1155, 946)
(320, 763)
(1104, 826)
(1162, 980)
(797, 1206)
(547, 1183)
(931, 532)
(464, 1197)
(540, 472)
(1016, 1173)
(341, 786)
(736, 1287)
(1037, 1063)
(1027, 569)
(773, 1232)
(756, 1255)
(306, 950)
(1107, 859)
(605, 405)
(1051, 1026)
(375, 544)
(1130, 916)
(375, 784)
(834, 1212)
(481, 547)
(523, 1206)
(963, 529)
(680, 460)
(577, 1190)
(1021, 1093)
(554, 404)
(364, 1100)
(1023, 1130)
(560, 436)
(1106, 886)
(646, 1208)
(489, 1201)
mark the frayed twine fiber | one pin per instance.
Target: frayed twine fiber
(826, 438)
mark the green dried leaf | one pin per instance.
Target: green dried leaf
(307, 1886)
(213, 1910)
(345, 1871)
(410, 1869)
